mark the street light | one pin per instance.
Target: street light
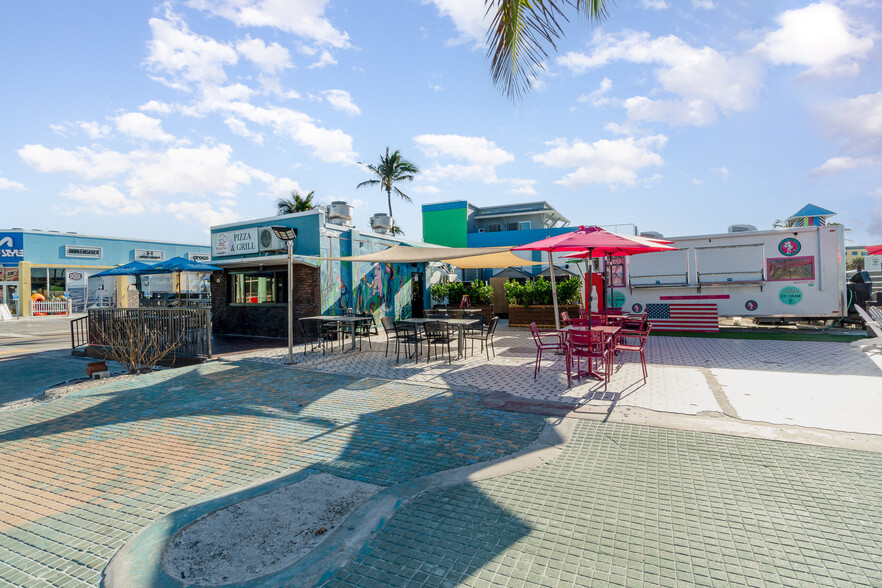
(289, 235)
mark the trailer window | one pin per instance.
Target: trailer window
(791, 268)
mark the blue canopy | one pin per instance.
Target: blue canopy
(133, 268)
(178, 264)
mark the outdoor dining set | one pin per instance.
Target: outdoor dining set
(598, 339)
(439, 330)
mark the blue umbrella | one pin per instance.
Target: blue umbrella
(178, 264)
(133, 268)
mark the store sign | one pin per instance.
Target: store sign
(789, 247)
(790, 295)
(149, 255)
(200, 257)
(75, 279)
(82, 251)
(241, 242)
(11, 247)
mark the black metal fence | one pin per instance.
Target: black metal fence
(187, 330)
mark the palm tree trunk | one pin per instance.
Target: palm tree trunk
(389, 198)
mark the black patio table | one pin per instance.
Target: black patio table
(459, 323)
(330, 318)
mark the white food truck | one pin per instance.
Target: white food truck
(792, 273)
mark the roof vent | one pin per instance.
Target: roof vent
(340, 213)
(652, 235)
(381, 223)
(741, 228)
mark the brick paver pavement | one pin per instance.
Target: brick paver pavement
(80, 475)
(626, 505)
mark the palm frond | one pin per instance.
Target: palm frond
(518, 35)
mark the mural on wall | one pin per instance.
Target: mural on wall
(382, 289)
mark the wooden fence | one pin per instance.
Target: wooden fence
(188, 330)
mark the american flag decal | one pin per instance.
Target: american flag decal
(683, 317)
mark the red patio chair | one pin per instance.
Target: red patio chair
(545, 341)
(565, 318)
(595, 321)
(636, 341)
(592, 345)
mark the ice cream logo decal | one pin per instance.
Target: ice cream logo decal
(789, 247)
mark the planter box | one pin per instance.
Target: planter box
(541, 314)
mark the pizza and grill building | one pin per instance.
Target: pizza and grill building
(56, 265)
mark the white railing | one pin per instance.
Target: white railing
(43, 307)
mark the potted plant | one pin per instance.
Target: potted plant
(533, 302)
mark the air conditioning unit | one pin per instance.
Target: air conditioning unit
(480, 229)
(267, 241)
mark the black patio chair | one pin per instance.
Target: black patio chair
(485, 336)
(437, 333)
(313, 333)
(366, 328)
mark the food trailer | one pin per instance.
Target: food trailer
(797, 272)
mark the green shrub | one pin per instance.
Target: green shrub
(539, 292)
(481, 292)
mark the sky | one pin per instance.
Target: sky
(157, 120)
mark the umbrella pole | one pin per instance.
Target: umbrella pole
(553, 290)
(590, 286)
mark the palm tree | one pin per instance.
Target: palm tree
(296, 203)
(392, 168)
(518, 32)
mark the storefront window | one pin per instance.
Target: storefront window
(258, 288)
(39, 281)
(56, 282)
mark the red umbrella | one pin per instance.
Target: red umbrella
(592, 242)
(874, 249)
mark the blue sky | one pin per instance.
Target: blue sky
(157, 120)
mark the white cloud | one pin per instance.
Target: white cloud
(324, 60)
(704, 4)
(304, 18)
(141, 126)
(157, 107)
(522, 186)
(858, 121)
(481, 157)
(93, 129)
(270, 59)
(702, 81)
(838, 164)
(181, 57)
(819, 36)
(7, 184)
(655, 4)
(467, 16)
(341, 100)
(239, 128)
(723, 171)
(596, 98)
(105, 200)
(188, 170)
(203, 212)
(82, 161)
(605, 161)
(282, 188)
(425, 189)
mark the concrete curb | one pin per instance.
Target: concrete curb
(139, 562)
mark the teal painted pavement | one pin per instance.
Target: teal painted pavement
(82, 474)
(626, 505)
(29, 375)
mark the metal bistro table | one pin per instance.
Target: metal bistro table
(609, 333)
(328, 318)
(459, 323)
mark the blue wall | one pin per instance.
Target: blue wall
(48, 248)
(307, 232)
(513, 238)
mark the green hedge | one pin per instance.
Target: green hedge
(539, 292)
(479, 292)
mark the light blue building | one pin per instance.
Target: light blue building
(250, 296)
(55, 264)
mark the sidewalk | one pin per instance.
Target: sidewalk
(621, 505)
